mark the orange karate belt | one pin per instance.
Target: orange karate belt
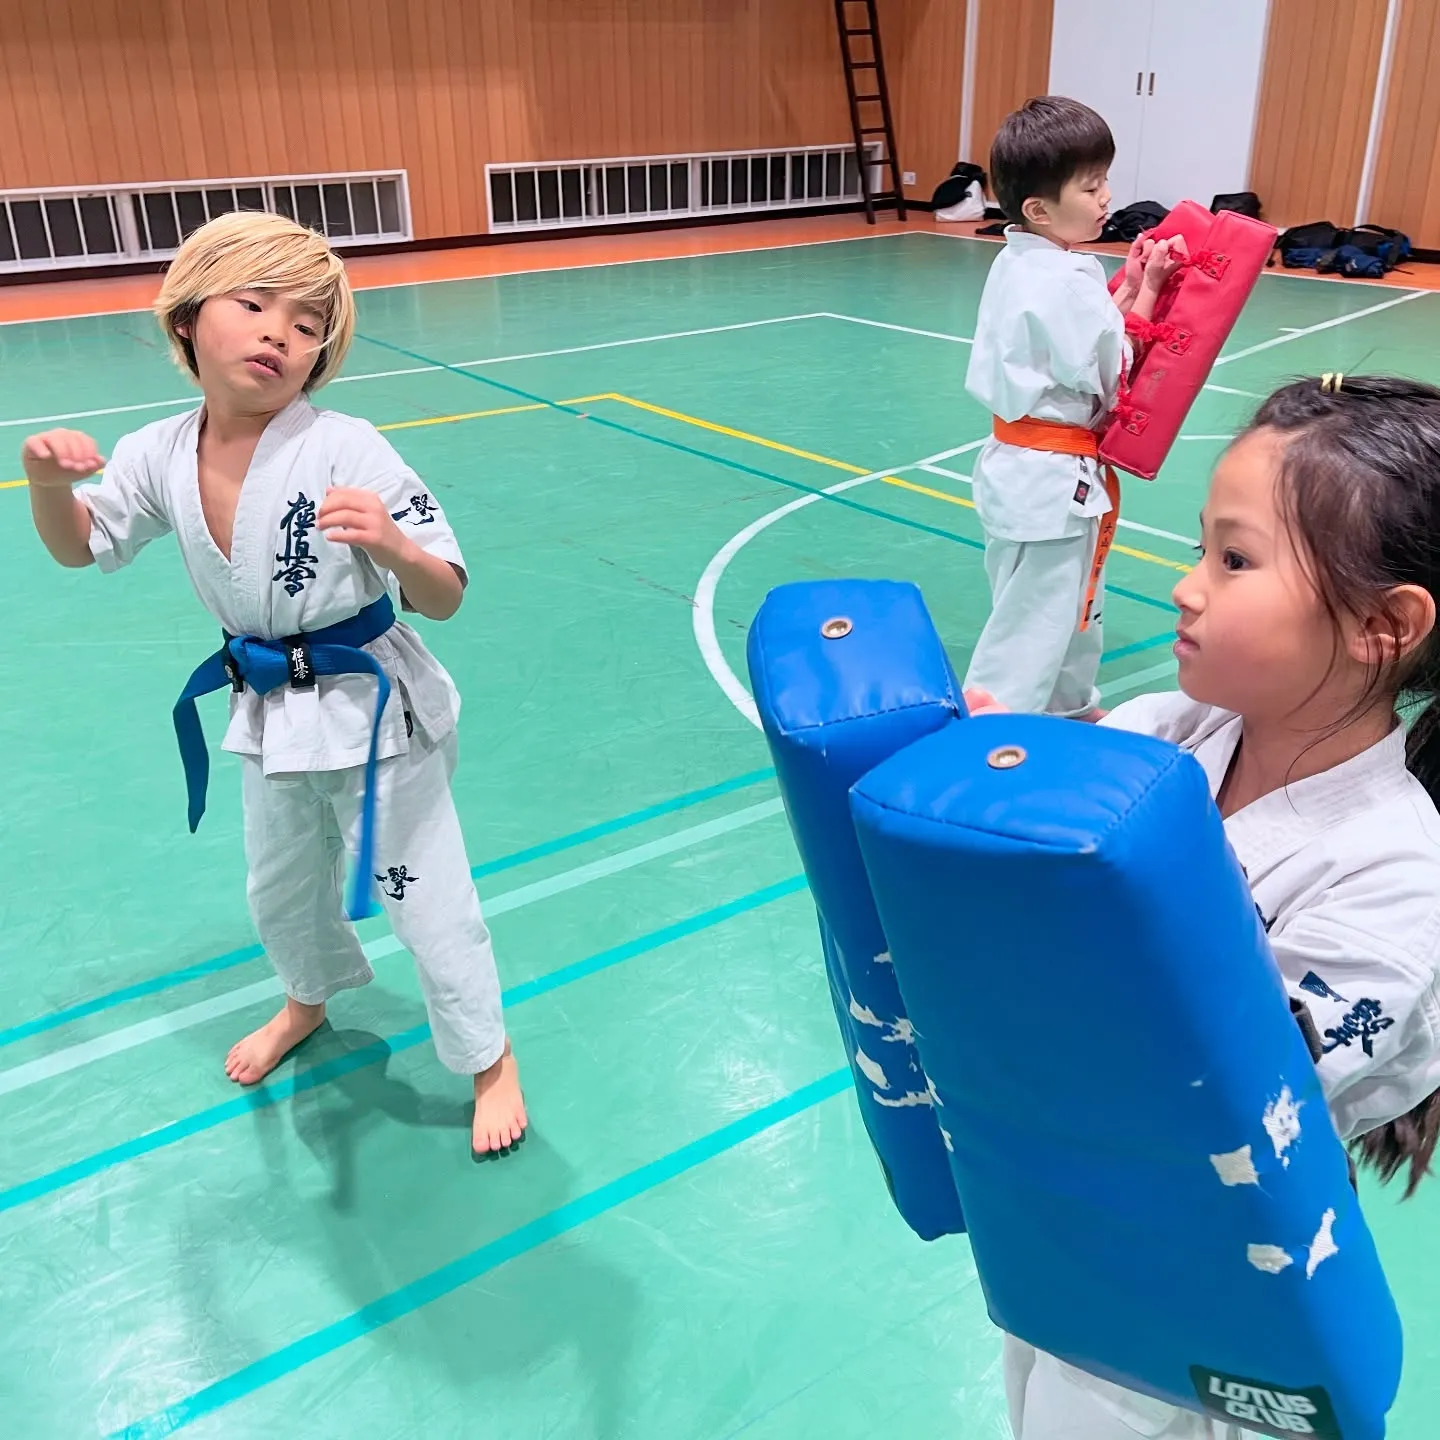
(1057, 438)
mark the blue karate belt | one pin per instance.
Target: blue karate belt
(264, 665)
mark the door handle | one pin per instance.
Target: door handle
(1152, 82)
(1139, 76)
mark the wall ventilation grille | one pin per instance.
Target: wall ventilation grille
(669, 187)
(112, 224)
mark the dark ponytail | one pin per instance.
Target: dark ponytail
(1408, 1140)
(1360, 487)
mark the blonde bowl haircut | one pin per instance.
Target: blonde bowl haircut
(254, 250)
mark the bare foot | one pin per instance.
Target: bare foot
(500, 1119)
(254, 1057)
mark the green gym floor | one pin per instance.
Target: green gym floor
(696, 1240)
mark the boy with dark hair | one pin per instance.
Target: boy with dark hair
(1047, 361)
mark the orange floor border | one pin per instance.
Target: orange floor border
(52, 301)
(115, 295)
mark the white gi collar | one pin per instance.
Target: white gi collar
(1025, 242)
(1288, 816)
(293, 420)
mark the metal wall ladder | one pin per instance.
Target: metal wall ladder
(859, 30)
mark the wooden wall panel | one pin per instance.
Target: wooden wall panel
(105, 91)
(1407, 175)
(924, 44)
(1317, 89)
(1012, 65)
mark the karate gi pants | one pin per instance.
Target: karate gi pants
(299, 829)
(1049, 1401)
(1032, 655)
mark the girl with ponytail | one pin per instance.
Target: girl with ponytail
(1309, 674)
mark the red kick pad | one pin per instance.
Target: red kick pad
(1192, 223)
(1193, 318)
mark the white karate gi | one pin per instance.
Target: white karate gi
(1049, 344)
(305, 750)
(1345, 868)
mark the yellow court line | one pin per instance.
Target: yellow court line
(486, 414)
(1153, 559)
(718, 429)
(621, 399)
(787, 449)
(416, 424)
(970, 505)
(451, 419)
(857, 470)
(926, 490)
(736, 434)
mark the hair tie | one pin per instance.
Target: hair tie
(1331, 381)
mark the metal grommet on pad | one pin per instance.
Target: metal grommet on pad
(1005, 757)
(836, 629)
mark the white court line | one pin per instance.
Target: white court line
(508, 359)
(1123, 524)
(1188, 541)
(702, 617)
(73, 1057)
(586, 349)
(904, 329)
(1228, 390)
(666, 259)
(1270, 344)
(1279, 339)
(108, 410)
(1206, 437)
(529, 270)
(1126, 683)
(705, 330)
(949, 454)
(1266, 274)
(461, 365)
(703, 614)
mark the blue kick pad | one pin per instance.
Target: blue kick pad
(1152, 1183)
(845, 674)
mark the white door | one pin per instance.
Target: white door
(1099, 54)
(1204, 67)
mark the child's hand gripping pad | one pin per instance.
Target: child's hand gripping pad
(845, 673)
(1151, 1180)
(1189, 221)
(1193, 318)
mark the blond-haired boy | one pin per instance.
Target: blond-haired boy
(294, 523)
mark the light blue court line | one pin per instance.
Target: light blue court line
(916, 1322)
(458, 1273)
(1154, 642)
(624, 822)
(1135, 595)
(267, 1096)
(607, 424)
(138, 991)
(171, 978)
(623, 429)
(172, 1022)
(1166, 670)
